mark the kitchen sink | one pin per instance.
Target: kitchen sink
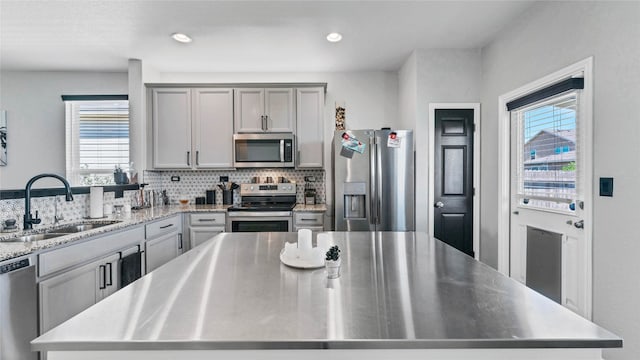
(62, 231)
(34, 237)
(72, 229)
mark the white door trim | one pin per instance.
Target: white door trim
(476, 166)
(504, 148)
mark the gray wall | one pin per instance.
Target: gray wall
(443, 75)
(35, 119)
(550, 36)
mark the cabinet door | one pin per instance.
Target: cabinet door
(213, 128)
(279, 110)
(111, 280)
(68, 294)
(172, 128)
(200, 234)
(310, 119)
(249, 110)
(161, 250)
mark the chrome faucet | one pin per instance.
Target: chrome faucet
(29, 220)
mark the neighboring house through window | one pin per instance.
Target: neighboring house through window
(547, 138)
(97, 138)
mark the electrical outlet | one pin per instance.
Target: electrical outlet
(224, 179)
(175, 178)
(606, 186)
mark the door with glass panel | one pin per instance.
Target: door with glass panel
(548, 251)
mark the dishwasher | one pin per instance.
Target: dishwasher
(18, 308)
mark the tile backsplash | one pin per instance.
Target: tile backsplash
(196, 183)
(193, 183)
(75, 210)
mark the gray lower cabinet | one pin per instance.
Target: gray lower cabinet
(162, 250)
(164, 241)
(204, 226)
(313, 221)
(73, 278)
(68, 294)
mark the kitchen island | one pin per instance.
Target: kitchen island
(400, 295)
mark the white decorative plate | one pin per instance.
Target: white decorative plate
(299, 263)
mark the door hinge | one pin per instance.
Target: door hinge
(473, 127)
(474, 191)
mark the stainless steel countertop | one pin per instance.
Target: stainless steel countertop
(397, 291)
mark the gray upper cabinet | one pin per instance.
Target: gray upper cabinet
(171, 128)
(264, 110)
(213, 128)
(310, 120)
(192, 128)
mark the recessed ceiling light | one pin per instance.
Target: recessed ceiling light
(183, 38)
(334, 37)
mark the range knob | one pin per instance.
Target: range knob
(251, 187)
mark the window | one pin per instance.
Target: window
(97, 138)
(546, 176)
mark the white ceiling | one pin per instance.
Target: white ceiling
(240, 36)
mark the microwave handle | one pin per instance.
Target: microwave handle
(281, 150)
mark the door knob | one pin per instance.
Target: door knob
(439, 204)
(579, 224)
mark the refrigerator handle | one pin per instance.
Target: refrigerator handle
(372, 182)
(378, 186)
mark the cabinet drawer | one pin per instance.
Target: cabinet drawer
(162, 227)
(308, 219)
(74, 254)
(207, 219)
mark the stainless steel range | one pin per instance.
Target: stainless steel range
(264, 207)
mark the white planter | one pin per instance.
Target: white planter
(333, 268)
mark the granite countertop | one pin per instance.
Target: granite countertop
(396, 291)
(10, 250)
(311, 208)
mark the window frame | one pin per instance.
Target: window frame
(74, 173)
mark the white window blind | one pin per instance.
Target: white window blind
(548, 152)
(97, 140)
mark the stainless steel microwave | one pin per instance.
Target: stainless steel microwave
(268, 150)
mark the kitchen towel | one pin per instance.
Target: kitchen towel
(96, 209)
(130, 268)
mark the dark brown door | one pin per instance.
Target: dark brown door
(453, 178)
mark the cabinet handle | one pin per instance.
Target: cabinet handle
(179, 241)
(197, 157)
(103, 276)
(188, 158)
(262, 119)
(206, 220)
(110, 275)
(305, 219)
(266, 123)
(166, 226)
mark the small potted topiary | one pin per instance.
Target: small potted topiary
(332, 262)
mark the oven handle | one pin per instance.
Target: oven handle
(255, 214)
(281, 150)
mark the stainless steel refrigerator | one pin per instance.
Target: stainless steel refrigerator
(374, 180)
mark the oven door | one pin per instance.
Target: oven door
(259, 222)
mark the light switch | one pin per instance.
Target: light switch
(606, 186)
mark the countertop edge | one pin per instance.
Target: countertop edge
(328, 344)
